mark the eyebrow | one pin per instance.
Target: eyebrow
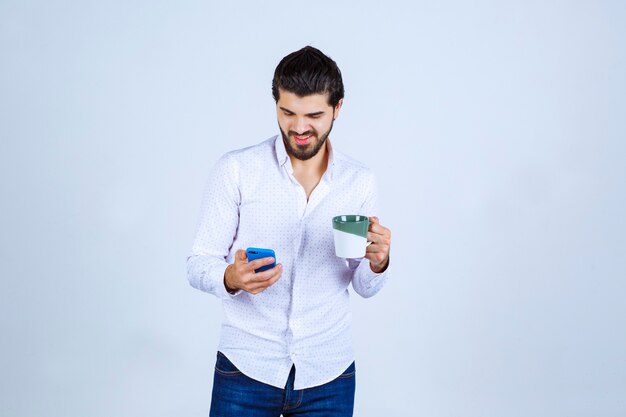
(316, 113)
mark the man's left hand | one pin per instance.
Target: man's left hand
(378, 251)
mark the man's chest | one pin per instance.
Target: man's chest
(284, 210)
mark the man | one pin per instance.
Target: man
(285, 345)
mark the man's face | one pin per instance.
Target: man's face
(305, 122)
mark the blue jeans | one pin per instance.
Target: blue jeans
(236, 395)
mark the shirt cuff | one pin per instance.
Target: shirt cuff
(219, 284)
(375, 278)
(369, 282)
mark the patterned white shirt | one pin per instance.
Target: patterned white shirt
(252, 199)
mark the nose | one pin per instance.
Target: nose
(300, 125)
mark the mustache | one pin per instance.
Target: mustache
(307, 133)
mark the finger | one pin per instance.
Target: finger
(382, 239)
(375, 238)
(376, 255)
(258, 286)
(240, 255)
(373, 219)
(267, 275)
(378, 228)
(267, 283)
(375, 248)
(258, 263)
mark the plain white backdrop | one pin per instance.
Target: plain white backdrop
(496, 129)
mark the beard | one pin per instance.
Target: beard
(308, 151)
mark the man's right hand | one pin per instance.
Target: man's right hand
(241, 276)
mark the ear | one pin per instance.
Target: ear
(336, 109)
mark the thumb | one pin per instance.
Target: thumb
(241, 255)
(374, 219)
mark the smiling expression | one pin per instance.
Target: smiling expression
(301, 119)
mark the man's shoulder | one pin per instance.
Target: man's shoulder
(259, 150)
(349, 163)
(250, 155)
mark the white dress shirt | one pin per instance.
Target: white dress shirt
(252, 199)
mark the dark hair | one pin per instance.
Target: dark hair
(308, 71)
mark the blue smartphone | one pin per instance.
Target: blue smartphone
(257, 253)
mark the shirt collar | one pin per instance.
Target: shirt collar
(281, 152)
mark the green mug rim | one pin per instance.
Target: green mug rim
(351, 225)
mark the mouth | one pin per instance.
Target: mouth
(303, 140)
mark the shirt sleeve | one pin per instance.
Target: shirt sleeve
(217, 228)
(366, 282)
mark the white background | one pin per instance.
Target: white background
(496, 129)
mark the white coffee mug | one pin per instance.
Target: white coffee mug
(350, 233)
